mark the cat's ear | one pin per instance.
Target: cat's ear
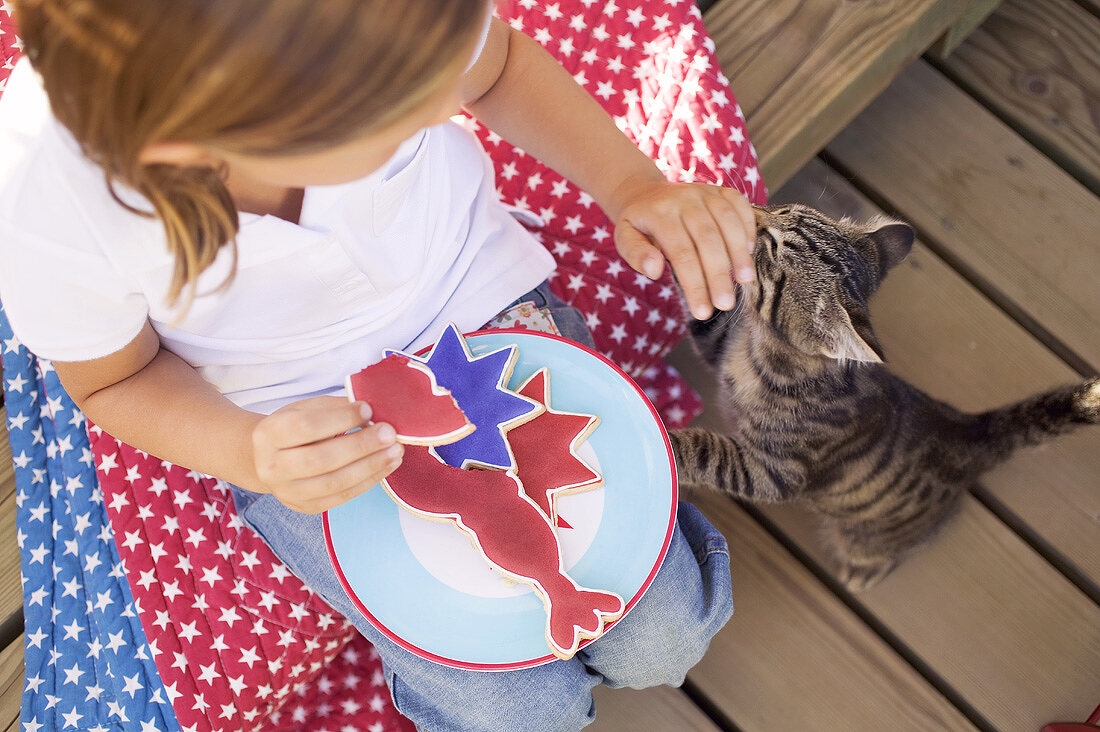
(892, 242)
(843, 338)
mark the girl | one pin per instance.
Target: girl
(239, 202)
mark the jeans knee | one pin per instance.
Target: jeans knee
(659, 648)
(666, 660)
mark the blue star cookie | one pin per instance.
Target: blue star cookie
(478, 385)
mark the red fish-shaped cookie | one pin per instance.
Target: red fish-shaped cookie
(404, 393)
(513, 535)
(545, 450)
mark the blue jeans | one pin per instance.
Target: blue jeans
(662, 637)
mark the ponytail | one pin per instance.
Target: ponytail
(199, 218)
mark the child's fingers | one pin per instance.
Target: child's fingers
(327, 491)
(684, 258)
(673, 240)
(711, 249)
(327, 456)
(743, 209)
(312, 420)
(739, 249)
(331, 502)
(638, 251)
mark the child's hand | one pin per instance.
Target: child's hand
(704, 231)
(306, 460)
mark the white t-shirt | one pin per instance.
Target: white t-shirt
(382, 262)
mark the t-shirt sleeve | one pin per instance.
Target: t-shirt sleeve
(66, 303)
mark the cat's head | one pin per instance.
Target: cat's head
(815, 275)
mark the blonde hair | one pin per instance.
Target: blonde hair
(255, 77)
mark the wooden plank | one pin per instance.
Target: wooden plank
(1021, 657)
(1005, 214)
(7, 470)
(1037, 63)
(11, 682)
(802, 69)
(974, 16)
(628, 710)
(764, 670)
(11, 596)
(944, 337)
(990, 617)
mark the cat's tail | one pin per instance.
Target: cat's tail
(1000, 432)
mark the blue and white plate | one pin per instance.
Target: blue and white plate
(422, 584)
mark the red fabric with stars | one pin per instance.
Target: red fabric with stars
(652, 68)
(240, 643)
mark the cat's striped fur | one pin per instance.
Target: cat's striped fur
(815, 415)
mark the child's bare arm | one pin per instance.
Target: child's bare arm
(151, 399)
(521, 92)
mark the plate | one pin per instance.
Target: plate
(422, 584)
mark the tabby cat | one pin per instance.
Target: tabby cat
(816, 416)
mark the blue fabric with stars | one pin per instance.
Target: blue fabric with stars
(479, 385)
(88, 665)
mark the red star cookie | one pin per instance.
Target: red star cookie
(545, 450)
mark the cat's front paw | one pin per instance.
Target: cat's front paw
(858, 578)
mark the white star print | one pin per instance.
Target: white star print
(279, 572)
(208, 673)
(72, 631)
(172, 590)
(249, 656)
(132, 685)
(72, 719)
(114, 641)
(16, 423)
(188, 632)
(116, 709)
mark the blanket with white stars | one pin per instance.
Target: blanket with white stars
(148, 606)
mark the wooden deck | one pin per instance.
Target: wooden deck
(993, 153)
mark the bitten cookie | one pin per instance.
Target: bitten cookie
(405, 394)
